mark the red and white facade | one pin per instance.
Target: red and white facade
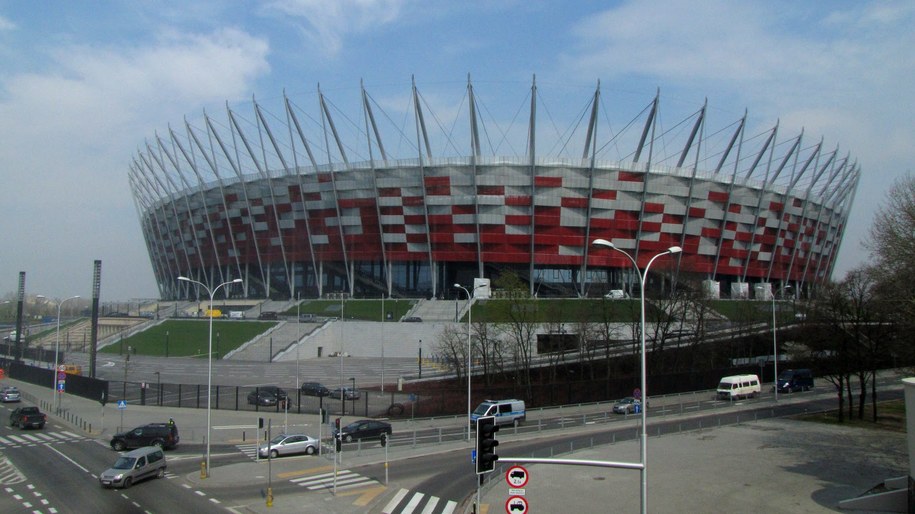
(225, 200)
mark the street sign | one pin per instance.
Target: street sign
(516, 505)
(61, 375)
(122, 404)
(60, 387)
(61, 368)
(516, 476)
(637, 393)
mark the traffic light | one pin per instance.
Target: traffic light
(486, 444)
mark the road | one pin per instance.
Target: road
(56, 470)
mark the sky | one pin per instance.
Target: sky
(85, 85)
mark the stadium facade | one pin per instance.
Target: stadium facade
(314, 205)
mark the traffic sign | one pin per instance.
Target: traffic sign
(60, 387)
(516, 476)
(122, 404)
(61, 368)
(516, 505)
(637, 393)
(61, 375)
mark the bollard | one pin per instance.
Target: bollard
(203, 469)
(270, 497)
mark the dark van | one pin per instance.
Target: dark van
(794, 380)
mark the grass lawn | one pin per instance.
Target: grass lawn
(567, 310)
(365, 310)
(890, 416)
(189, 338)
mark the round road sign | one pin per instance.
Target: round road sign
(516, 476)
(637, 393)
(516, 505)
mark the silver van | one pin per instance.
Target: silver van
(134, 466)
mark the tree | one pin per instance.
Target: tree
(521, 327)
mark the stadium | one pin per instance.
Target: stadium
(389, 196)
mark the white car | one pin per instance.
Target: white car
(291, 444)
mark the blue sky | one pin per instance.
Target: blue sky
(83, 86)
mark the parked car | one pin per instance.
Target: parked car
(162, 435)
(290, 444)
(133, 467)
(268, 316)
(626, 406)
(314, 389)
(347, 393)
(262, 398)
(10, 394)
(364, 429)
(412, 319)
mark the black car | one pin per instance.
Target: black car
(364, 429)
(163, 435)
(314, 389)
(268, 316)
(262, 398)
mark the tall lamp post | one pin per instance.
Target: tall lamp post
(56, 396)
(644, 395)
(469, 350)
(212, 293)
(775, 342)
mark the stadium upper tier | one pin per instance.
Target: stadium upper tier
(279, 201)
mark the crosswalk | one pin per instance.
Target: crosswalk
(38, 437)
(345, 479)
(249, 449)
(409, 502)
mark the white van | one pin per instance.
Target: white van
(506, 412)
(738, 386)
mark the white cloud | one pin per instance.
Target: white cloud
(327, 23)
(67, 135)
(6, 24)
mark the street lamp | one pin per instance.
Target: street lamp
(775, 341)
(210, 357)
(469, 351)
(56, 397)
(644, 395)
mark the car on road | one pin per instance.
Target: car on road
(10, 394)
(27, 417)
(314, 389)
(626, 406)
(289, 444)
(268, 316)
(346, 393)
(134, 466)
(162, 435)
(412, 319)
(364, 429)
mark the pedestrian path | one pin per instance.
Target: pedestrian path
(409, 502)
(345, 479)
(249, 449)
(34, 438)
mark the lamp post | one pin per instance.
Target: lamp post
(212, 293)
(469, 351)
(56, 396)
(354, 394)
(775, 342)
(644, 395)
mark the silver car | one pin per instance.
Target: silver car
(131, 467)
(10, 394)
(627, 405)
(289, 444)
